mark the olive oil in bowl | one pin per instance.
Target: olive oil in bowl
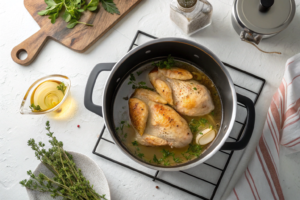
(49, 94)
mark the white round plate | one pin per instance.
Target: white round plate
(89, 169)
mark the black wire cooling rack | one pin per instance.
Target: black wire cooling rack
(254, 95)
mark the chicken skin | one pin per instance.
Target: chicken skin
(156, 123)
(186, 96)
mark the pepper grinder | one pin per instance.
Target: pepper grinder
(191, 16)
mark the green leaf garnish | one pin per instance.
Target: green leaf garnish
(141, 155)
(166, 153)
(155, 159)
(139, 73)
(36, 108)
(138, 85)
(62, 87)
(195, 124)
(74, 9)
(110, 6)
(167, 63)
(194, 150)
(177, 160)
(120, 129)
(135, 143)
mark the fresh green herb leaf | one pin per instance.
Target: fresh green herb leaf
(50, 3)
(53, 17)
(141, 155)
(167, 63)
(52, 8)
(62, 87)
(195, 124)
(67, 16)
(135, 85)
(74, 22)
(194, 150)
(166, 153)
(195, 88)
(177, 160)
(139, 73)
(203, 120)
(110, 6)
(120, 129)
(74, 10)
(132, 78)
(166, 162)
(135, 143)
(155, 159)
(93, 5)
(36, 108)
(212, 113)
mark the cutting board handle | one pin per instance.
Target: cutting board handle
(32, 46)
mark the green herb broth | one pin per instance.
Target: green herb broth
(146, 153)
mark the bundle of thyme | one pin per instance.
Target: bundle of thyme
(68, 181)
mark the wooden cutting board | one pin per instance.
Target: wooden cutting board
(80, 38)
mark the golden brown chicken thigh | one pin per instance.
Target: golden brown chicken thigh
(157, 124)
(188, 97)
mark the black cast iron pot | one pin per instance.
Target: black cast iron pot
(198, 56)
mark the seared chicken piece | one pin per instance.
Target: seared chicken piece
(148, 95)
(162, 126)
(138, 114)
(176, 73)
(158, 80)
(188, 97)
(191, 98)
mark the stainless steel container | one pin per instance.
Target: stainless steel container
(255, 20)
(184, 50)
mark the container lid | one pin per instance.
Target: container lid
(265, 16)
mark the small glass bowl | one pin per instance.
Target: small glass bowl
(26, 102)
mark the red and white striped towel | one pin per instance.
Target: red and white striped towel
(282, 127)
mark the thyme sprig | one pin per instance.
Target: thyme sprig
(68, 181)
(74, 9)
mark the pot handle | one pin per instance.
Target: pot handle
(248, 129)
(88, 102)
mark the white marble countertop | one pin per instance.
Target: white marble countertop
(151, 16)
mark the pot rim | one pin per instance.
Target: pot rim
(228, 128)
